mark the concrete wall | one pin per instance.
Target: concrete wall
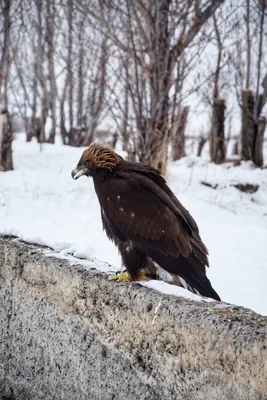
(68, 333)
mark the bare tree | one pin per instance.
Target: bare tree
(252, 81)
(70, 67)
(136, 62)
(154, 35)
(29, 78)
(178, 135)
(83, 98)
(5, 121)
(97, 94)
(217, 139)
(50, 38)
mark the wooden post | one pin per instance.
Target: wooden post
(258, 142)
(114, 139)
(235, 150)
(201, 144)
(248, 125)
(6, 138)
(217, 139)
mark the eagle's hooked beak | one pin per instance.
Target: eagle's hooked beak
(77, 172)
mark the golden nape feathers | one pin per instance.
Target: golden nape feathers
(101, 155)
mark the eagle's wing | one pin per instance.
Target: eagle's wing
(133, 210)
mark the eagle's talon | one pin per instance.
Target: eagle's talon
(112, 277)
(125, 276)
(121, 276)
(142, 277)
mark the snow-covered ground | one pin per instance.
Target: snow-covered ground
(40, 203)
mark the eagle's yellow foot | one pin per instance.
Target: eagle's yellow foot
(141, 277)
(122, 276)
(125, 276)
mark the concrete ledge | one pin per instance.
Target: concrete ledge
(68, 333)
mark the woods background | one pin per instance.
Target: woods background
(140, 71)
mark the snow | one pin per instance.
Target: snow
(166, 288)
(40, 203)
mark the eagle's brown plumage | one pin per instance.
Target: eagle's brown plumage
(145, 219)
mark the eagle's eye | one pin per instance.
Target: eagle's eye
(81, 169)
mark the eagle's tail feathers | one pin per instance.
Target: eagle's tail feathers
(187, 286)
(200, 284)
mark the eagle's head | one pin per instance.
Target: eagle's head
(98, 155)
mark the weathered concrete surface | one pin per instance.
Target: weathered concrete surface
(68, 333)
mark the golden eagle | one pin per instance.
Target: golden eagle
(154, 233)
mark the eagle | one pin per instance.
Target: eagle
(156, 236)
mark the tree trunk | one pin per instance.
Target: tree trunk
(125, 117)
(235, 150)
(79, 118)
(114, 140)
(6, 138)
(158, 158)
(98, 96)
(40, 67)
(44, 114)
(80, 78)
(217, 140)
(248, 125)
(33, 129)
(69, 67)
(258, 142)
(201, 145)
(160, 85)
(50, 37)
(178, 139)
(5, 120)
(63, 130)
(5, 43)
